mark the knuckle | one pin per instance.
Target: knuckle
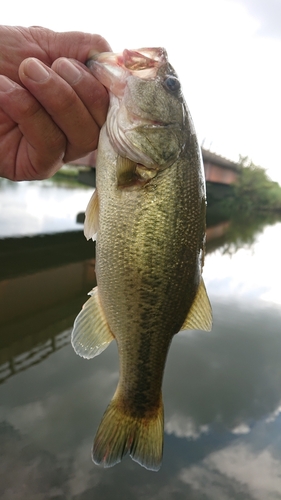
(65, 102)
(24, 105)
(101, 44)
(99, 96)
(56, 141)
(75, 151)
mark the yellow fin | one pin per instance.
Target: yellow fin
(91, 334)
(200, 314)
(120, 433)
(92, 217)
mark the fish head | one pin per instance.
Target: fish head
(147, 117)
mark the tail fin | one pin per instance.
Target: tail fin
(119, 433)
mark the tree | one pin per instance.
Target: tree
(254, 190)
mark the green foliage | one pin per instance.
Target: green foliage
(241, 229)
(67, 176)
(254, 190)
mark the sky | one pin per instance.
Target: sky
(226, 53)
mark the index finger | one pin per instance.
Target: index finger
(78, 121)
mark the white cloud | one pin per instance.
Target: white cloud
(183, 426)
(237, 469)
(84, 474)
(273, 416)
(241, 429)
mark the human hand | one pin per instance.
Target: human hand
(51, 106)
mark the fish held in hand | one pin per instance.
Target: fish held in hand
(148, 217)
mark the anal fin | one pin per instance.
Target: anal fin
(200, 314)
(91, 334)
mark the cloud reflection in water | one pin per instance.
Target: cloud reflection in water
(222, 393)
(214, 383)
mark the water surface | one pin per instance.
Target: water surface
(39, 207)
(222, 389)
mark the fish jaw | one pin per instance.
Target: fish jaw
(113, 69)
(134, 130)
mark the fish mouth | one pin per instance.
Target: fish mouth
(135, 60)
(112, 69)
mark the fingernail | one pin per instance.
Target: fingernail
(35, 70)
(68, 71)
(6, 85)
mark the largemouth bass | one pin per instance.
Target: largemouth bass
(148, 217)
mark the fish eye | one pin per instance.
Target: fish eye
(171, 83)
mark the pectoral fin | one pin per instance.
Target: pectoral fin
(91, 334)
(92, 217)
(131, 174)
(200, 314)
(125, 171)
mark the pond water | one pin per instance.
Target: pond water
(39, 207)
(222, 389)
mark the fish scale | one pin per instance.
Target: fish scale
(148, 217)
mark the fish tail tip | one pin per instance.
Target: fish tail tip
(120, 433)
